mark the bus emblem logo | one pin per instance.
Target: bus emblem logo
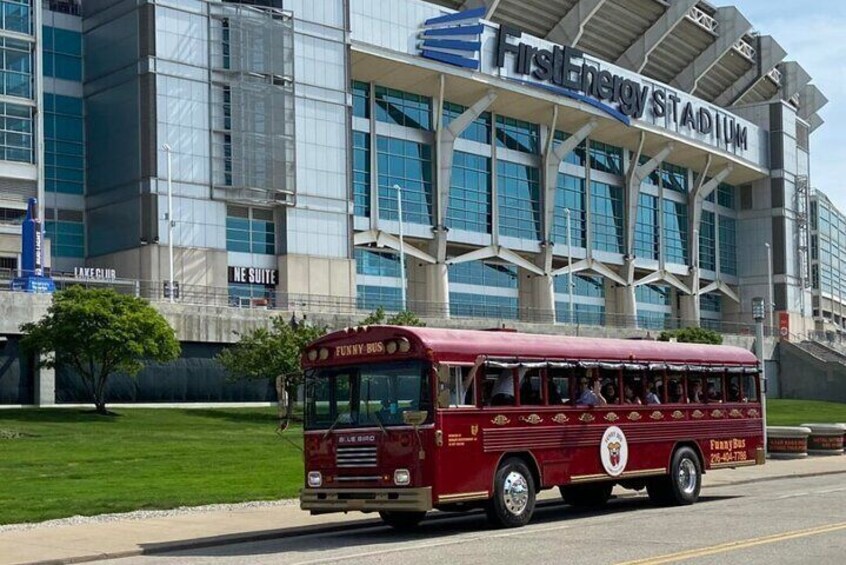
(474, 429)
(614, 451)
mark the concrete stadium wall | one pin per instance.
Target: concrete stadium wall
(806, 377)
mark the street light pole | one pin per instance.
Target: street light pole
(570, 266)
(770, 303)
(759, 313)
(398, 188)
(170, 222)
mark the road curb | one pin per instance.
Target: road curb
(282, 533)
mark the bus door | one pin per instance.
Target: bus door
(460, 474)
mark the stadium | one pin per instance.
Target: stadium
(618, 163)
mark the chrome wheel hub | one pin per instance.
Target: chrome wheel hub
(515, 493)
(688, 476)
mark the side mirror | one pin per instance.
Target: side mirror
(414, 417)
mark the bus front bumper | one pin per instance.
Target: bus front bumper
(323, 500)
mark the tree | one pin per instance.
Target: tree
(402, 318)
(272, 353)
(692, 335)
(99, 332)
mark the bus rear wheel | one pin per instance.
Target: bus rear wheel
(513, 500)
(683, 484)
(402, 520)
(586, 496)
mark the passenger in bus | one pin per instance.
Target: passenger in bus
(734, 392)
(649, 396)
(503, 389)
(553, 395)
(629, 396)
(696, 393)
(712, 393)
(589, 393)
(609, 392)
(675, 393)
(530, 394)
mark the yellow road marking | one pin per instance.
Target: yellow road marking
(737, 545)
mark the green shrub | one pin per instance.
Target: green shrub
(692, 335)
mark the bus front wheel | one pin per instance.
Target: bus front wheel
(683, 484)
(402, 520)
(513, 500)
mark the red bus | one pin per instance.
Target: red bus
(403, 420)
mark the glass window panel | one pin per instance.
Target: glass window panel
(607, 217)
(517, 135)
(470, 193)
(519, 200)
(409, 165)
(675, 232)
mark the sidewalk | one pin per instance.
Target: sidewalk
(126, 537)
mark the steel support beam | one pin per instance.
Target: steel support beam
(696, 198)
(385, 239)
(497, 252)
(732, 26)
(571, 26)
(770, 54)
(637, 55)
(635, 175)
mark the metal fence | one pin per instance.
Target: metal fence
(198, 295)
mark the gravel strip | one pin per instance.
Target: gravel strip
(147, 514)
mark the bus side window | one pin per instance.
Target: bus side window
(733, 389)
(695, 388)
(675, 388)
(530, 388)
(632, 386)
(610, 385)
(461, 390)
(750, 387)
(498, 388)
(558, 386)
(714, 389)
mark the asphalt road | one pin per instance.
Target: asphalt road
(783, 521)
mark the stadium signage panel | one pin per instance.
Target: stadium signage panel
(253, 275)
(566, 71)
(95, 273)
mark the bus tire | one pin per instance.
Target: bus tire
(682, 486)
(586, 496)
(513, 500)
(402, 521)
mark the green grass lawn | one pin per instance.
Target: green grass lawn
(795, 412)
(67, 462)
(56, 463)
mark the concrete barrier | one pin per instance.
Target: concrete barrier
(826, 439)
(787, 442)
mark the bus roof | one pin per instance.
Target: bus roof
(459, 346)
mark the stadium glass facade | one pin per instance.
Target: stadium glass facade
(292, 122)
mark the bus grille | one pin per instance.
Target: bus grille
(355, 457)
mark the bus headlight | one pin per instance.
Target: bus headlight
(315, 479)
(402, 477)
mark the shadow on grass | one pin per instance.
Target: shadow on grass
(57, 415)
(249, 416)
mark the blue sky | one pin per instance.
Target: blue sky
(812, 33)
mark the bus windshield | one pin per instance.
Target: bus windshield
(366, 395)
